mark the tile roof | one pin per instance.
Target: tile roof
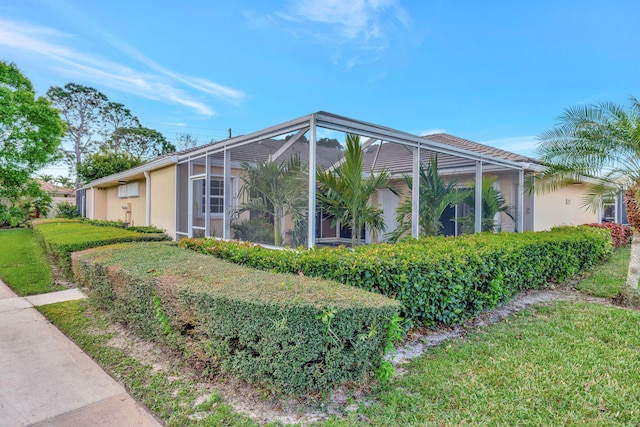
(53, 188)
(455, 141)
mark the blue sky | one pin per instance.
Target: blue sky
(494, 72)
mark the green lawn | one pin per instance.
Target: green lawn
(607, 280)
(564, 364)
(22, 264)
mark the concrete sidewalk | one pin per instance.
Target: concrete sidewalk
(46, 380)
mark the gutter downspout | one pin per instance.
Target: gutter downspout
(148, 198)
(93, 203)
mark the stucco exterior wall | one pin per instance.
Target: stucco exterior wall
(163, 199)
(135, 214)
(97, 203)
(562, 207)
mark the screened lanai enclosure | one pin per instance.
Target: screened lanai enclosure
(291, 184)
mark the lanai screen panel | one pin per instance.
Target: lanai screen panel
(271, 206)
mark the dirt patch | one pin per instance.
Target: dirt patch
(59, 278)
(241, 396)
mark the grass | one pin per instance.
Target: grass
(565, 364)
(22, 263)
(607, 279)
(169, 395)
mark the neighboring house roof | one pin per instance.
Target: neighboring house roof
(55, 190)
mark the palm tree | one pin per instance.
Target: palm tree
(601, 142)
(493, 202)
(65, 181)
(346, 195)
(46, 178)
(435, 197)
(276, 190)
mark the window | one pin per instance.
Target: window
(609, 211)
(128, 190)
(217, 196)
(216, 199)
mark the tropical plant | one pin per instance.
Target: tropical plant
(600, 146)
(67, 210)
(435, 195)
(345, 194)
(32, 202)
(256, 229)
(46, 178)
(64, 181)
(276, 190)
(493, 203)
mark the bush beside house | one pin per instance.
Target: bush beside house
(620, 234)
(286, 333)
(437, 280)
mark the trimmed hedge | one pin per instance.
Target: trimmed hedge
(620, 234)
(61, 237)
(286, 333)
(438, 280)
(121, 224)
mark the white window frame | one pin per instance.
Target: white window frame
(131, 189)
(203, 195)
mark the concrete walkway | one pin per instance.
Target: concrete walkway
(46, 380)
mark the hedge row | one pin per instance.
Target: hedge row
(620, 234)
(438, 280)
(61, 237)
(286, 333)
(121, 224)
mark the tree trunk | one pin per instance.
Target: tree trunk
(277, 236)
(629, 295)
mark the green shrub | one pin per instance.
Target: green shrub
(149, 229)
(438, 280)
(119, 224)
(67, 210)
(104, 223)
(621, 234)
(254, 230)
(11, 216)
(61, 237)
(286, 333)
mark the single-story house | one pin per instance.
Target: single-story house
(186, 194)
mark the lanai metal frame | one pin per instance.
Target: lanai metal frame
(464, 160)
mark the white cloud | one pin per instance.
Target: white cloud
(429, 132)
(53, 50)
(362, 24)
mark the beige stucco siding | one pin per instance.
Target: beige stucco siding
(562, 207)
(97, 203)
(137, 211)
(163, 199)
